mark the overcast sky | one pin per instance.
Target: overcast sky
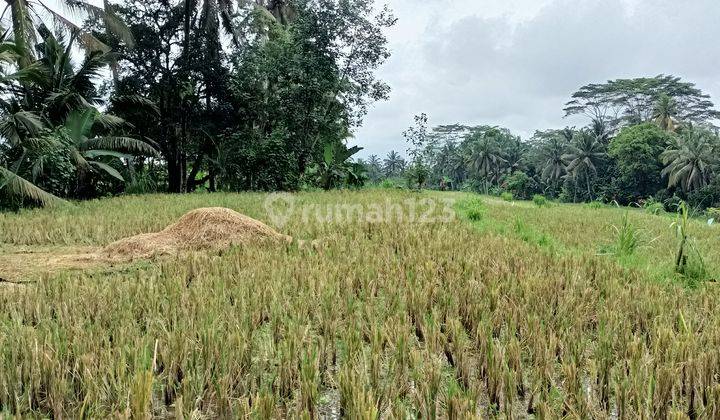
(514, 63)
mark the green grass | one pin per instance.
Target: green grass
(585, 229)
(510, 312)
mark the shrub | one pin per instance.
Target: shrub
(507, 196)
(652, 206)
(628, 237)
(520, 185)
(474, 209)
(540, 200)
(714, 213)
(387, 184)
(595, 204)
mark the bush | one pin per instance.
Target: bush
(540, 200)
(387, 184)
(714, 213)
(628, 237)
(474, 209)
(652, 206)
(507, 196)
(520, 185)
(595, 204)
(707, 196)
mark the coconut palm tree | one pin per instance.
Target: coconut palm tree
(27, 15)
(553, 166)
(665, 113)
(393, 164)
(374, 165)
(691, 159)
(485, 156)
(48, 116)
(583, 157)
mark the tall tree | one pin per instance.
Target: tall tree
(665, 113)
(636, 151)
(690, 161)
(393, 164)
(26, 16)
(583, 157)
(633, 101)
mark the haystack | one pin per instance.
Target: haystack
(202, 229)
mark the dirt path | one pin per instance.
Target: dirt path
(23, 263)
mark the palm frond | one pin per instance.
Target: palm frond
(108, 170)
(135, 103)
(18, 186)
(109, 121)
(117, 143)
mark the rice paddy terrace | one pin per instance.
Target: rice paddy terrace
(376, 303)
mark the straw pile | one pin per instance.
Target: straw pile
(202, 229)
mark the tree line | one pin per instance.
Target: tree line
(180, 95)
(647, 140)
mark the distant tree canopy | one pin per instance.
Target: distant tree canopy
(635, 101)
(647, 139)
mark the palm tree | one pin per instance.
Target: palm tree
(690, 161)
(393, 164)
(26, 15)
(48, 115)
(583, 157)
(553, 166)
(484, 156)
(665, 113)
(374, 165)
(79, 137)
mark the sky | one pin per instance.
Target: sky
(515, 63)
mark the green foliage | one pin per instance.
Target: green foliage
(540, 200)
(58, 143)
(474, 209)
(595, 205)
(637, 151)
(387, 184)
(635, 101)
(627, 237)
(520, 185)
(688, 260)
(507, 196)
(653, 207)
(691, 159)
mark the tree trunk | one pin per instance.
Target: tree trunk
(174, 176)
(213, 186)
(19, 12)
(587, 180)
(191, 183)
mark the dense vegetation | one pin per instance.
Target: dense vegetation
(648, 140)
(173, 96)
(508, 309)
(177, 96)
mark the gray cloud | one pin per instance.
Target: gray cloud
(515, 64)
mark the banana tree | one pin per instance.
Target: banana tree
(91, 153)
(336, 167)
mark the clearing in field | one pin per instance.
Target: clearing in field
(506, 310)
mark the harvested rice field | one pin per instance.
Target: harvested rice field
(361, 305)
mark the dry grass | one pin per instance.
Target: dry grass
(214, 228)
(392, 320)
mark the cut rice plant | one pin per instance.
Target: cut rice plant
(414, 319)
